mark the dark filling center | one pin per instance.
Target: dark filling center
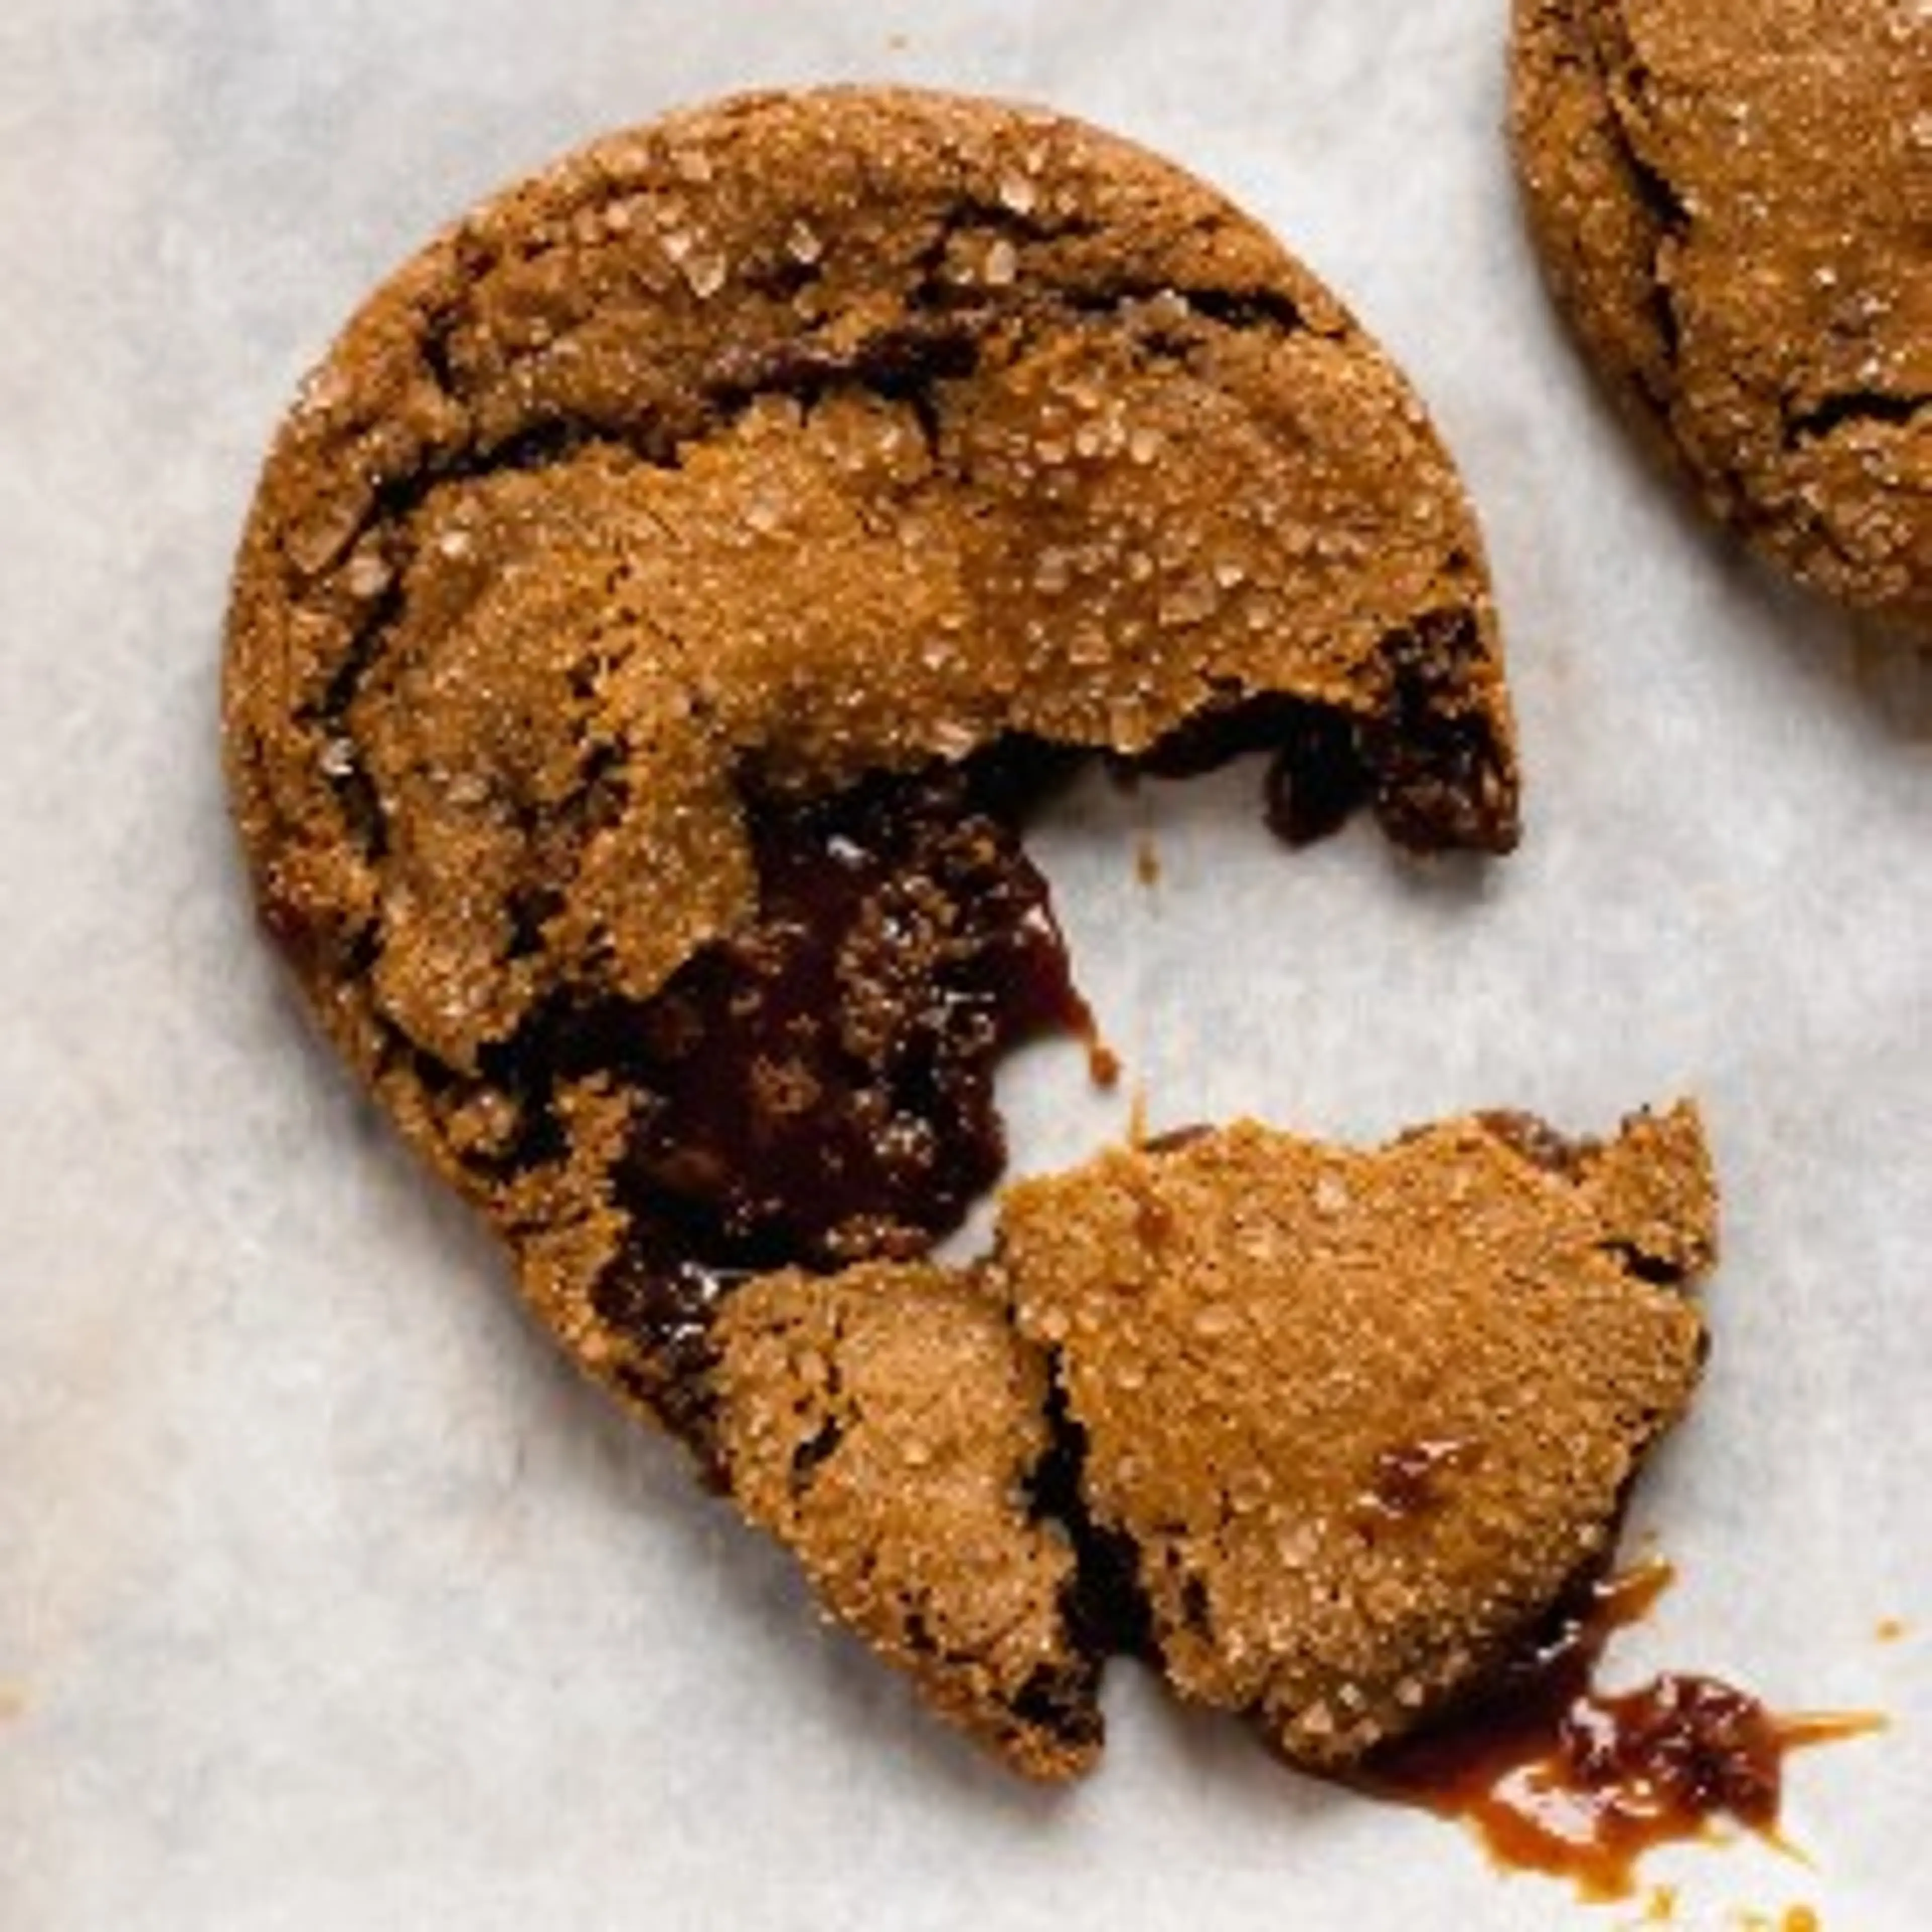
(819, 1089)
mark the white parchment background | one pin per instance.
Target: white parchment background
(327, 1599)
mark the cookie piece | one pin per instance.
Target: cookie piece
(648, 604)
(1364, 1416)
(1732, 200)
(889, 1426)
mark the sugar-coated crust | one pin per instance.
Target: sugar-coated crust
(1732, 200)
(1362, 1414)
(885, 1425)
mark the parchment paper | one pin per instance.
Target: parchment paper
(328, 1598)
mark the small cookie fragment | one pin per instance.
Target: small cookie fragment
(1732, 200)
(1363, 1415)
(886, 1426)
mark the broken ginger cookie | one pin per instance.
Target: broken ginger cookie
(1363, 1416)
(658, 615)
(1326, 1433)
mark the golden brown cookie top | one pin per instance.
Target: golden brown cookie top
(1363, 1414)
(779, 442)
(1734, 202)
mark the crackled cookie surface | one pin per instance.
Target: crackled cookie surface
(655, 611)
(1733, 201)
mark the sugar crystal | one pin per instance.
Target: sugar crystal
(1019, 193)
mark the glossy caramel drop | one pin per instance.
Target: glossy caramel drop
(1559, 1777)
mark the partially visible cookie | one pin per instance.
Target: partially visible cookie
(1363, 1416)
(1732, 200)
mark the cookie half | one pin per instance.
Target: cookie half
(1732, 201)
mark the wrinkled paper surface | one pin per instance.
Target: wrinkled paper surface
(329, 1597)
